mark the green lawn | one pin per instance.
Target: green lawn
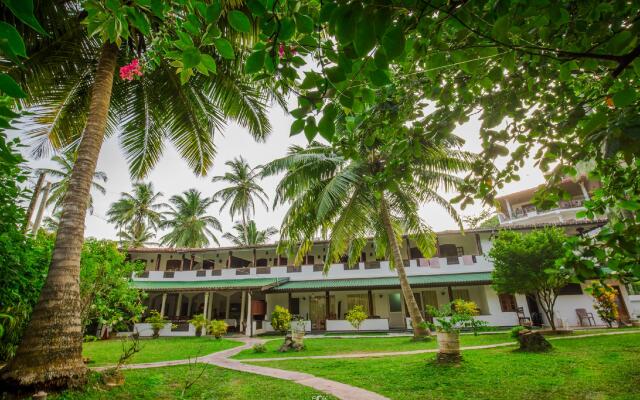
(605, 367)
(107, 352)
(330, 345)
(216, 383)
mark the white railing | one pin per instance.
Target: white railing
(378, 269)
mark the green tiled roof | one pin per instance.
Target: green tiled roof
(367, 283)
(218, 284)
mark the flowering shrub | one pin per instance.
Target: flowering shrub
(218, 328)
(281, 319)
(356, 316)
(456, 315)
(131, 70)
(605, 302)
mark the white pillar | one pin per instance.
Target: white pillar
(509, 208)
(208, 315)
(179, 305)
(228, 305)
(585, 193)
(242, 302)
(249, 319)
(164, 302)
(189, 305)
(206, 303)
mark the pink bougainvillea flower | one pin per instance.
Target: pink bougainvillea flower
(293, 50)
(281, 50)
(130, 71)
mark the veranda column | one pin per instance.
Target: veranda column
(206, 303)
(189, 305)
(164, 302)
(179, 305)
(249, 316)
(227, 306)
(210, 314)
(242, 305)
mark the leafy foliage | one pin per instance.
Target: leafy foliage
(218, 328)
(456, 315)
(281, 319)
(138, 213)
(356, 316)
(605, 302)
(249, 235)
(188, 222)
(526, 263)
(157, 322)
(199, 322)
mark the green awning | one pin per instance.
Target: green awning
(479, 278)
(217, 284)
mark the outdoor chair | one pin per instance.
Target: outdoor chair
(523, 320)
(584, 315)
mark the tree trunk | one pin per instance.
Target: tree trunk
(33, 201)
(548, 310)
(43, 206)
(246, 231)
(50, 354)
(407, 293)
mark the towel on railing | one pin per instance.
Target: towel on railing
(467, 260)
(434, 262)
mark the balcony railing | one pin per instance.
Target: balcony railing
(532, 211)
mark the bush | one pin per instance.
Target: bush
(356, 316)
(515, 331)
(605, 302)
(199, 322)
(259, 348)
(456, 315)
(218, 328)
(157, 322)
(281, 319)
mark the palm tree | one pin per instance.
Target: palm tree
(242, 191)
(138, 236)
(250, 236)
(65, 164)
(52, 222)
(188, 222)
(137, 213)
(69, 81)
(342, 198)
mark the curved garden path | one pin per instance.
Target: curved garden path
(337, 389)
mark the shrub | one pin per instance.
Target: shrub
(605, 302)
(157, 322)
(356, 316)
(456, 315)
(199, 322)
(515, 331)
(281, 319)
(218, 328)
(259, 348)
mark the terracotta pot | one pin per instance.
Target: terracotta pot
(198, 331)
(112, 380)
(298, 337)
(156, 333)
(449, 342)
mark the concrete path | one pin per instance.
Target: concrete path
(337, 389)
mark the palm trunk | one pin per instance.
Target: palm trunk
(244, 227)
(414, 311)
(34, 200)
(50, 354)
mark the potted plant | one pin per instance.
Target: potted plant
(157, 322)
(281, 319)
(218, 328)
(356, 316)
(199, 322)
(450, 319)
(298, 330)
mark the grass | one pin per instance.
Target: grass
(107, 352)
(604, 367)
(356, 334)
(215, 383)
(330, 345)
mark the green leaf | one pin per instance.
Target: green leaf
(256, 8)
(287, 29)
(380, 59)
(190, 57)
(501, 27)
(379, 77)
(13, 40)
(23, 9)
(364, 39)
(335, 74)
(310, 129)
(304, 23)
(10, 87)
(254, 62)
(213, 12)
(225, 48)
(208, 62)
(327, 125)
(345, 27)
(239, 21)
(630, 205)
(296, 127)
(624, 97)
(393, 42)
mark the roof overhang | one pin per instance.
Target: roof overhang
(262, 284)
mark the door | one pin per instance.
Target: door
(318, 311)
(430, 298)
(534, 311)
(396, 317)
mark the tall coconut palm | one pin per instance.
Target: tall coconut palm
(251, 235)
(137, 213)
(139, 235)
(188, 221)
(69, 80)
(62, 173)
(243, 190)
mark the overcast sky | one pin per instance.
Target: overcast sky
(172, 175)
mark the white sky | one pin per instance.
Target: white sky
(172, 175)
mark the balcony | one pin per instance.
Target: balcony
(529, 213)
(371, 269)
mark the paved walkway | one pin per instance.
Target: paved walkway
(337, 389)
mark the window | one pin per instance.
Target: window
(358, 300)
(571, 288)
(508, 302)
(173, 265)
(395, 302)
(430, 298)
(295, 306)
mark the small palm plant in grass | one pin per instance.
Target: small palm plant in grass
(356, 316)
(199, 322)
(218, 328)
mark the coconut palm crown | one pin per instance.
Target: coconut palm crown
(251, 236)
(188, 221)
(137, 212)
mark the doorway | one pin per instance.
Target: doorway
(318, 311)
(534, 310)
(396, 316)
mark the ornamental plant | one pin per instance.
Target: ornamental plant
(218, 328)
(157, 322)
(199, 322)
(453, 317)
(605, 302)
(281, 319)
(356, 316)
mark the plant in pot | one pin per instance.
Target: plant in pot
(298, 330)
(356, 316)
(199, 322)
(218, 328)
(449, 320)
(157, 322)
